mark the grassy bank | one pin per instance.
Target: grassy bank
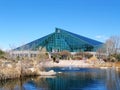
(16, 69)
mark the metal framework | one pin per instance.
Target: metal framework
(63, 40)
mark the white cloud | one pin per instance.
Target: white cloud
(98, 37)
(101, 37)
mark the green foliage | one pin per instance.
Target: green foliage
(2, 54)
(113, 57)
(118, 57)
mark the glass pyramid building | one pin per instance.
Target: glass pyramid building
(62, 40)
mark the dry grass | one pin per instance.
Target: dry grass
(10, 70)
(117, 64)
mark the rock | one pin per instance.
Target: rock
(9, 65)
(50, 73)
(32, 69)
(104, 67)
(59, 72)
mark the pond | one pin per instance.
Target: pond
(68, 78)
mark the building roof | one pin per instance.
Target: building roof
(87, 40)
(69, 39)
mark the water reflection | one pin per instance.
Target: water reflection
(112, 79)
(84, 79)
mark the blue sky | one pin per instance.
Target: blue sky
(22, 21)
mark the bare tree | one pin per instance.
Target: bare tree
(11, 51)
(101, 52)
(113, 45)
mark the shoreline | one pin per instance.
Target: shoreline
(37, 68)
(80, 64)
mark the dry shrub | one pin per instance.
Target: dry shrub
(82, 55)
(117, 64)
(42, 55)
(77, 58)
(88, 55)
(108, 64)
(65, 54)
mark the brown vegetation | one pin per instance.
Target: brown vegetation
(18, 69)
(82, 55)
